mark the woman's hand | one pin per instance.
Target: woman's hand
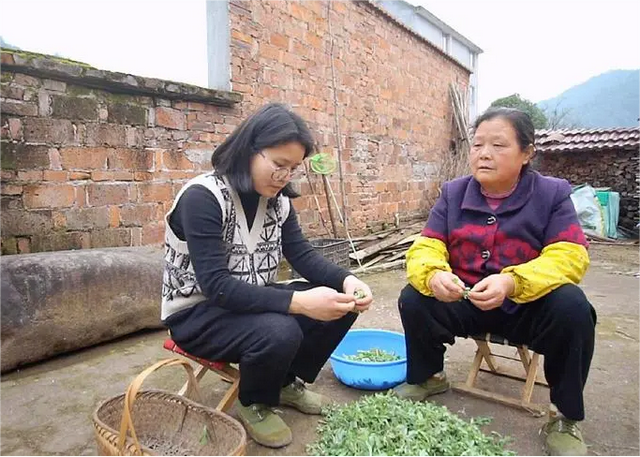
(491, 292)
(321, 303)
(358, 290)
(446, 287)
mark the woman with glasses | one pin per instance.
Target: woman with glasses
(225, 235)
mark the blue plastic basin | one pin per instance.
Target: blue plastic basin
(370, 375)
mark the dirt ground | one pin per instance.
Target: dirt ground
(47, 407)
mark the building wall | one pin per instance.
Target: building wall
(419, 20)
(393, 104)
(92, 158)
(84, 167)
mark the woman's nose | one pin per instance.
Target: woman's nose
(485, 153)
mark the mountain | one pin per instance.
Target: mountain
(611, 99)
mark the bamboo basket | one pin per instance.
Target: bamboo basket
(165, 423)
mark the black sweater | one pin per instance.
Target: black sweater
(197, 219)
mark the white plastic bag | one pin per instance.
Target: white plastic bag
(590, 213)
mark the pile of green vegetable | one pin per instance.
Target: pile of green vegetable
(373, 355)
(383, 424)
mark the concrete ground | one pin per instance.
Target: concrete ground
(47, 407)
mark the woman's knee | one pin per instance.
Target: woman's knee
(412, 302)
(570, 307)
(280, 334)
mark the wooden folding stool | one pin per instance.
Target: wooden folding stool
(222, 369)
(529, 360)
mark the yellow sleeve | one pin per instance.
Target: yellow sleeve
(426, 257)
(558, 263)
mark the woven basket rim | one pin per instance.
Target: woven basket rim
(98, 423)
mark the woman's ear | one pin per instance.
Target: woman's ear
(529, 152)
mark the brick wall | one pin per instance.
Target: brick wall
(392, 92)
(92, 158)
(615, 169)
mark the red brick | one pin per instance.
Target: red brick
(114, 216)
(270, 52)
(57, 241)
(25, 223)
(79, 175)
(19, 108)
(128, 159)
(54, 159)
(141, 214)
(113, 237)
(84, 158)
(153, 234)
(48, 196)
(81, 195)
(106, 135)
(48, 131)
(108, 194)
(14, 92)
(173, 175)
(155, 192)
(20, 156)
(59, 220)
(30, 176)
(142, 176)
(176, 160)
(87, 218)
(279, 40)
(55, 175)
(26, 80)
(170, 118)
(54, 85)
(24, 246)
(298, 11)
(112, 176)
(11, 189)
(237, 35)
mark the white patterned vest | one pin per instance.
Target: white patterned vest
(252, 256)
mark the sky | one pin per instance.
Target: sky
(537, 48)
(541, 48)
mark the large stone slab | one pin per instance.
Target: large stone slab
(55, 302)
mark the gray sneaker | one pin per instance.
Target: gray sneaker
(264, 425)
(436, 384)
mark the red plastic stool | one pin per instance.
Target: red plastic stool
(222, 369)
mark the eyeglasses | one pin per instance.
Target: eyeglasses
(283, 173)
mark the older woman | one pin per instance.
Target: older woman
(512, 236)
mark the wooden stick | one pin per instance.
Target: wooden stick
(337, 124)
(379, 268)
(325, 181)
(315, 197)
(390, 241)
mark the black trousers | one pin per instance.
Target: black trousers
(560, 326)
(271, 348)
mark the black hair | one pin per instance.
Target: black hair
(521, 123)
(272, 125)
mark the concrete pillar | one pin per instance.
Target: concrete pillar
(218, 44)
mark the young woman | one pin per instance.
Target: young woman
(512, 236)
(225, 236)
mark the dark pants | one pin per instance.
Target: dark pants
(560, 326)
(271, 348)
